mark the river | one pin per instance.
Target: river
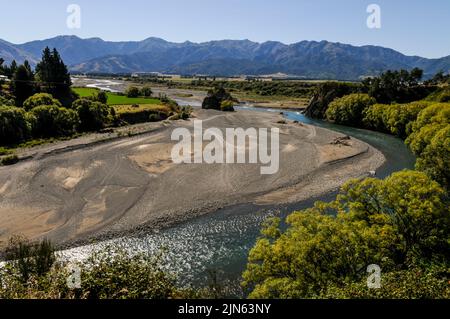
(220, 241)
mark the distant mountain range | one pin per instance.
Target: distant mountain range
(309, 59)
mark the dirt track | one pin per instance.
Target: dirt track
(126, 183)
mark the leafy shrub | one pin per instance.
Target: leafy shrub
(396, 223)
(227, 106)
(14, 127)
(101, 97)
(53, 120)
(417, 282)
(400, 86)
(428, 123)
(142, 115)
(30, 259)
(146, 91)
(215, 98)
(324, 94)
(440, 95)
(395, 118)
(349, 109)
(156, 117)
(132, 91)
(32, 272)
(4, 101)
(39, 100)
(435, 158)
(93, 115)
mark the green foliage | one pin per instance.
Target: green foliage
(397, 87)
(30, 259)
(4, 101)
(435, 158)
(14, 127)
(438, 79)
(117, 275)
(132, 92)
(349, 109)
(53, 120)
(429, 282)
(23, 83)
(101, 97)
(325, 93)
(54, 77)
(227, 106)
(429, 141)
(32, 272)
(396, 119)
(141, 113)
(39, 100)
(440, 95)
(146, 91)
(215, 98)
(93, 115)
(396, 223)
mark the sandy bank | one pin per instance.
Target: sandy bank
(124, 184)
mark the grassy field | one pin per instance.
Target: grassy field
(116, 99)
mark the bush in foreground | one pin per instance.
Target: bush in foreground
(93, 115)
(398, 223)
(53, 120)
(34, 272)
(14, 127)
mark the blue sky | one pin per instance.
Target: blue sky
(412, 27)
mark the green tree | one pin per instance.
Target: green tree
(396, 86)
(428, 123)
(53, 120)
(23, 83)
(40, 99)
(325, 93)
(349, 109)
(4, 101)
(399, 118)
(215, 97)
(132, 92)
(146, 91)
(54, 77)
(395, 223)
(93, 115)
(435, 159)
(14, 127)
(101, 97)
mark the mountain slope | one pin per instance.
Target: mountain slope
(9, 52)
(310, 59)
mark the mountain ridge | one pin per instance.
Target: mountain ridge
(309, 59)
